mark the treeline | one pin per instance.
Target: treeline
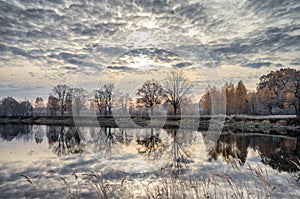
(11, 107)
(65, 100)
(277, 93)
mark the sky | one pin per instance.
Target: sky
(89, 43)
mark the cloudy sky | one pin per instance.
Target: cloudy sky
(87, 43)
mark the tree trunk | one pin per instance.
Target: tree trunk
(175, 109)
(151, 110)
(109, 110)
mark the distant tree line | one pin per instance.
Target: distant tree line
(277, 93)
(11, 107)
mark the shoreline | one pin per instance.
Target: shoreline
(279, 125)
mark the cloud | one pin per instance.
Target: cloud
(71, 68)
(122, 68)
(258, 65)
(295, 62)
(88, 35)
(182, 64)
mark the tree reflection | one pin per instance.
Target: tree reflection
(9, 132)
(123, 137)
(277, 151)
(150, 145)
(64, 140)
(178, 149)
(38, 134)
(282, 155)
(229, 146)
(104, 140)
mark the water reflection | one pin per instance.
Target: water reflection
(229, 146)
(277, 151)
(9, 132)
(151, 145)
(64, 140)
(179, 155)
(172, 147)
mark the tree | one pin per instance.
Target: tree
(125, 101)
(176, 88)
(252, 103)
(212, 102)
(52, 105)
(104, 99)
(205, 103)
(62, 93)
(79, 98)
(240, 98)
(25, 108)
(10, 107)
(288, 97)
(277, 81)
(150, 94)
(230, 98)
(39, 105)
(265, 100)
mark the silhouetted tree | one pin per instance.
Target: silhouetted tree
(79, 98)
(52, 105)
(150, 94)
(63, 96)
(104, 99)
(176, 87)
(10, 107)
(25, 108)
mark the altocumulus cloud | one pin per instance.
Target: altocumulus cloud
(63, 34)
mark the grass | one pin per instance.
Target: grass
(251, 183)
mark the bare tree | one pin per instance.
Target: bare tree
(62, 93)
(176, 87)
(104, 99)
(126, 99)
(150, 94)
(52, 105)
(25, 108)
(79, 98)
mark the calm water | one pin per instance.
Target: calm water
(39, 150)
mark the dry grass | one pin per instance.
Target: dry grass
(249, 184)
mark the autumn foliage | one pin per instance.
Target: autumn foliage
(277, 93)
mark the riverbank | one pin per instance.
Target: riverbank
(283, 124)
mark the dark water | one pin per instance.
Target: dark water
(143, 150)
